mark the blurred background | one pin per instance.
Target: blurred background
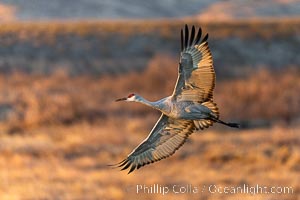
(63, 63)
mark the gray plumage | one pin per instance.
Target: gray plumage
(189, 108)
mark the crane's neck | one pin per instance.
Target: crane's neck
(158, 105)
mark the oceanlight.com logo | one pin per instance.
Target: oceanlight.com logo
(246, 189)
(212, 189)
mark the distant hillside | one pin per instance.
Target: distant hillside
(116, 47)
(241, 9)
(112, 9)
(135, 9)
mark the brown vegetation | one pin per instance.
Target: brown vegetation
(220, 29)
(30, 100)
(264, 95)
(115, 47)
(58, 132)
(70, 162)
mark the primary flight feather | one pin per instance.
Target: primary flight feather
(189, 108)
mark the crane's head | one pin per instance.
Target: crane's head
(130, 97)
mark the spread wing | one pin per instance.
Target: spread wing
(165, 138)
(196, 79)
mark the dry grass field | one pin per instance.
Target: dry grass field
(58, 132)
(115, 47)
(70, 162)
(29, 101)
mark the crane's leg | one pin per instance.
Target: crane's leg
(233, 125)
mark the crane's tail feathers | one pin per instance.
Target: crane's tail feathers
(214, 117)
(213, 107)
(205, 123)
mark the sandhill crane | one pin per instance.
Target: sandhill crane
(189, 108)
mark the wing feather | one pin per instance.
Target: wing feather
(166, 137)
(192, 35)
(198, 36)
(186, 38)
(196, 79)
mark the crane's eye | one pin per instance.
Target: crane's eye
(131, 95)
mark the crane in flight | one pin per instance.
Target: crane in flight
(189, 108)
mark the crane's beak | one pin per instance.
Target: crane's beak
(122, 99)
